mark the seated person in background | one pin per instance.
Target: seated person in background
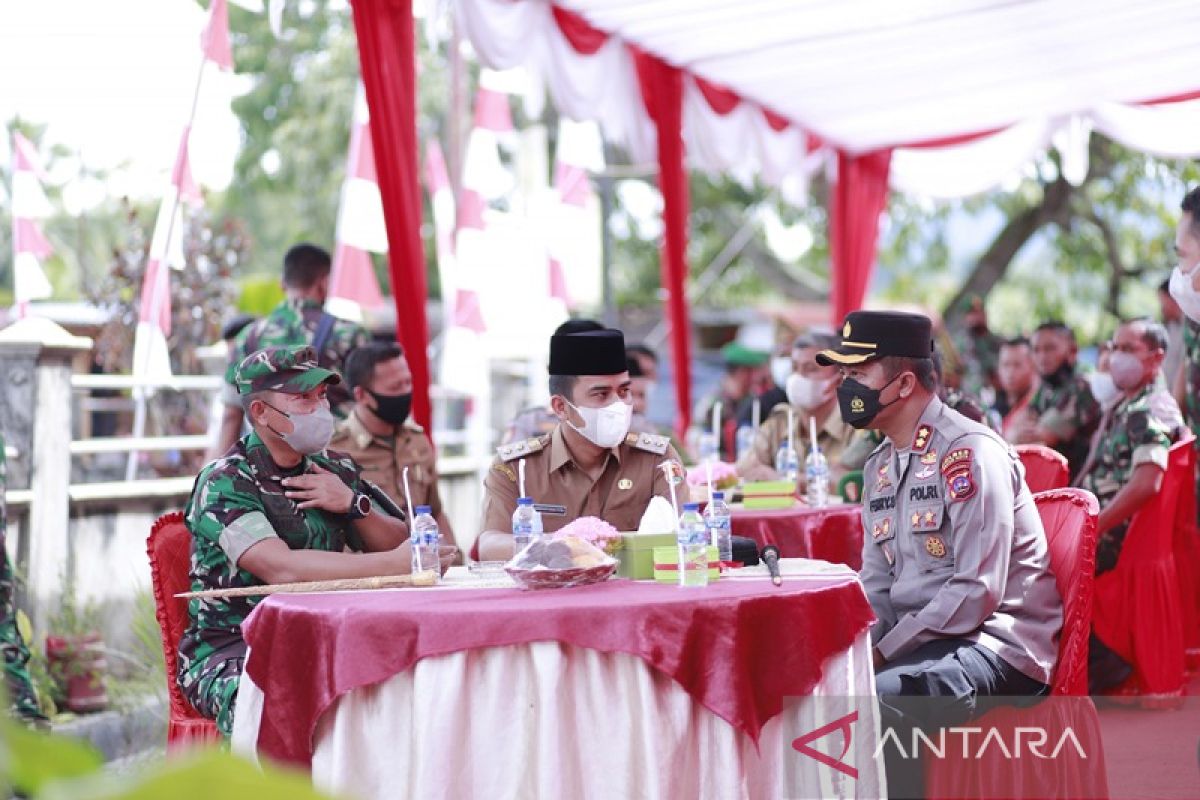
(640, 387)
(955, 560)
(811, 392)
(1018, 382)
(277, 508)
(781, 368)
(1129, 452)
(381, 438)
(538, 420)
(589, 465)
(745, 369)
(646, 358)
(1128, 459)
(1062, 413)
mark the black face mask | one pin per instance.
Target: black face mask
(392, 408)
(860, 404)
(1060, 376)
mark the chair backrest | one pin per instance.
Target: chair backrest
(1069, 517)
(169, 547)
(1152, 529)
(1045, 468)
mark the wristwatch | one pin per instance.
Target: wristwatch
(360, 506)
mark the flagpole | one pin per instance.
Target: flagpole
(139, 392)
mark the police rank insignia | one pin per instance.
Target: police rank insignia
(624, 483)
(935, 546)
(921, 438)
(882, 528)
(956, 469)
(929, 458)
(882, 483)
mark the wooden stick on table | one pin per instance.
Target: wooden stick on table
(426, 578)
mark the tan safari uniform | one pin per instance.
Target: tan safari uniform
(563, 492)
(383, 459)
(834, 438)
(954, 546)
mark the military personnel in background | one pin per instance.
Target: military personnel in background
(979, 353)
(590, 464)
(955, 561)
(381, 438)
(277, 508)
(300, 319)
(1129, 452)
(1184, 286)
(811, 392)
(746, 369)
(1018, 382)
(22, 699)
(1062, 413)
(540, 420)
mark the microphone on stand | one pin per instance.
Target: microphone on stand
(770, 557)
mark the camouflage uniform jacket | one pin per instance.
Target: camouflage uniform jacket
(294, 322)
(238, 501)
(980, 354)
(1131, 434)
(1071, 413)
(12, 645)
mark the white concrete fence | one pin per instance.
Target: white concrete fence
(92, 536)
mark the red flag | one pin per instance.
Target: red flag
(214, 40)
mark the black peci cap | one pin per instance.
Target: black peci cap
(875, 334)
(599, 352)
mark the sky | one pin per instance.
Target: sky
(113, 81)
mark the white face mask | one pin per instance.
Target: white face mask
(806, 393)
(311, 432)
(1183, 293)
(781, 368)
(1102, 386)
(604, 427)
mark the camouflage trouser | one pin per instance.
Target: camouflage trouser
(1108, 547)
(16, 655)
(213, 690)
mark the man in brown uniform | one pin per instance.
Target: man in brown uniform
(811, 392)
(590, 464)
(381, 438)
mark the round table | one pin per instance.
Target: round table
(833, 533)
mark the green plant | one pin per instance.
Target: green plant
(138, 671)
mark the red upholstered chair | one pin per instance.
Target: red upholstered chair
(1045, 468)
(1069, 517)
(1138, 609)
(1187, 567)
(169, 547)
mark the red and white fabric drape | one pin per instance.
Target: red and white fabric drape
(28, 205)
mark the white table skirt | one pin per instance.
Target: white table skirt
(557, 721)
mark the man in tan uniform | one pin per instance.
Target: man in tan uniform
(590, 464)
(381, 438)
(811, 392)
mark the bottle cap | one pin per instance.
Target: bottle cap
(718, 495)
(691, 506)
(423, 509)
(524, 501)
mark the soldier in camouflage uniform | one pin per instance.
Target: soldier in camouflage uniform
(1063, 413)
(979, 351)
(1129, 453)
(21, 696)
(300, 319)
(255, 512)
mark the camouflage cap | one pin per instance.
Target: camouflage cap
(292, 370)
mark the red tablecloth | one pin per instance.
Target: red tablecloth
(833, 533)
(738, 647)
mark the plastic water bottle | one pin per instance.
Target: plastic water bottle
(745, 441)
(692, 537)
(787, 463)
(717, 518)
(424, 541)
(816, 476)
(526, 524)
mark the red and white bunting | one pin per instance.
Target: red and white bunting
(361, 229)
(29, 204)
(580, 150)
(214, 40)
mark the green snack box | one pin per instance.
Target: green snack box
(762, 495)
(669, 557)
(636, 553)
(759, 488)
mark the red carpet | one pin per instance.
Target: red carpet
(1153, 754)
